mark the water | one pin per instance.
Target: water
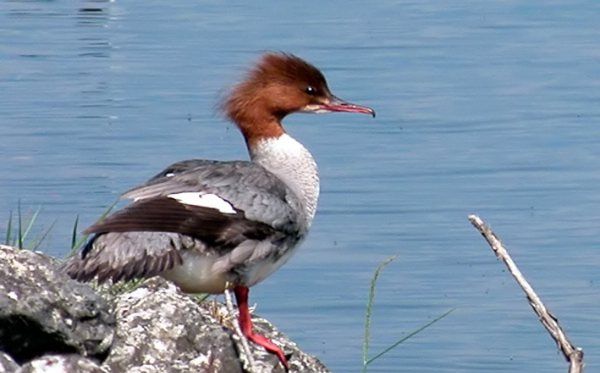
(491, 108)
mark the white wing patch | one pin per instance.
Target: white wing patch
(205, 200)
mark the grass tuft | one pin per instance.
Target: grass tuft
(409, 335)
(20, 236)
(367, 337)
(36, 244)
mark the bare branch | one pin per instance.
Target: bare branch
(572, 353)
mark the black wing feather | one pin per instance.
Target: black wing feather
(164, 214)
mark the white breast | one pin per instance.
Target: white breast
(294, 165)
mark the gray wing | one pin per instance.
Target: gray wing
(146, 237)
(245, 185)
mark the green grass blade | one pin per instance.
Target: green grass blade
(9, 228)
(109, 209)
(31, 223)
(84, 238)
(74, 233)
(367, 337)
(37, 244)
(409, 335)
(20, 233)
(200, 297)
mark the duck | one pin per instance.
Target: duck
(212, 226)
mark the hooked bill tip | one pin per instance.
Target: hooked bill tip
(337, 105)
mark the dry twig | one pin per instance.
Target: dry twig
(572, 353)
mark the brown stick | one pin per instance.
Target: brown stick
(572, 353)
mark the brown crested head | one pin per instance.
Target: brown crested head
(280, 84)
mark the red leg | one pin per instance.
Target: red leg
(241, 296)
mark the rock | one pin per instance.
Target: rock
(49, 321)
(7, 364)
(43, 311)
(161, 329)
(299, 361)
(61, 363)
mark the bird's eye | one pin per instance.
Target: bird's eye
(311, 90)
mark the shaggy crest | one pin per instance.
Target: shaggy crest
(273, 69)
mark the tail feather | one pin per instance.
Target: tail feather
(124, 256)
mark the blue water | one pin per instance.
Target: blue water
(488, 108)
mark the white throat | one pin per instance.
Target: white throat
(294, 165)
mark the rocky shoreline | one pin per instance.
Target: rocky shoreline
(51, 322)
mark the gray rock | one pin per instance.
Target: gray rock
(50, 321)
(61, 363)
(299, 361)
(43, 311)
(161, 329)
(7, 364)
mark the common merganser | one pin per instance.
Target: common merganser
(212, 225)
